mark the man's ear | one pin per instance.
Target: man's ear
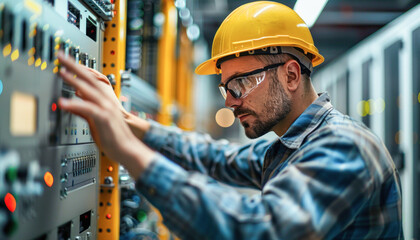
(293, 75)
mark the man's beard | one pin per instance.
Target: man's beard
(275, 109)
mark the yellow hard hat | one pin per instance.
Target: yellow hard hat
(259, 26)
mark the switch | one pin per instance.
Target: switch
(9, 18)
(108, 180)
(51, 50)
(111, 78)
(125, 77)
(76, 54)
(64, 46)
(24, 36)
(85, 59)
(38, 42)
(92, 63)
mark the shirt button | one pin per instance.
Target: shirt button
(152, 191)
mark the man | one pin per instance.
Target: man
(325, 177)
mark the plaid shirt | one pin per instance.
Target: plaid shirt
(327, 177)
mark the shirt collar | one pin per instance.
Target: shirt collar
(310, 119)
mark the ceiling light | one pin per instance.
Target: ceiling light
(309, 10)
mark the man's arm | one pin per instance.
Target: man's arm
(316, 197)
(230, 163)
(239, 165)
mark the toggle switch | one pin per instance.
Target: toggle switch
(84, 58)
(108, 180)
(92, 63)
(76, 54)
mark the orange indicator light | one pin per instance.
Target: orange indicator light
(108, 216)
(10, 202)
(49, 179)
(54, 107)
(7, 50)
(110, 169)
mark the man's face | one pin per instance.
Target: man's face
(266, 105)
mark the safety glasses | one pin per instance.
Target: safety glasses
(240, 86)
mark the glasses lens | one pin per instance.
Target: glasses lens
(223, 92)
(242, 86)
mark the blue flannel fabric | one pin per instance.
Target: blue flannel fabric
(327, 177)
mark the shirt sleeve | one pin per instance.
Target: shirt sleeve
(329, 182)
(230, 163)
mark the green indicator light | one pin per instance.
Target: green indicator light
(141, 216)
(11, 174)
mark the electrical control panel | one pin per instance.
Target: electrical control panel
(48, 161)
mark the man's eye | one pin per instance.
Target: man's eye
(241, 82)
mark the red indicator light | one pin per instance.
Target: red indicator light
(10, 202)
(112, 52)
(49, 179)
(112, 1)
(108, 216)
(110, 169)
(54, 107)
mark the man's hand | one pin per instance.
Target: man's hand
(102, 110)
(104, 83)
(137, 125)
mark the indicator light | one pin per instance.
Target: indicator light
(54, 107)
(49, 179)
(7, 50)
(10, 202)
(112, 52)
(31, 51)
(1, 87)
(15, 55)
(110, 169)
(38, 62)
(43, 66)
(141, 216)
(11, 174)
(31, 61)
(108, 216)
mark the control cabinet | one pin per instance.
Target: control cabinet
(49, 163)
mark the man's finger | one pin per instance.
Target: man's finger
(84, 90)
(70, 65)
(84, 109)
